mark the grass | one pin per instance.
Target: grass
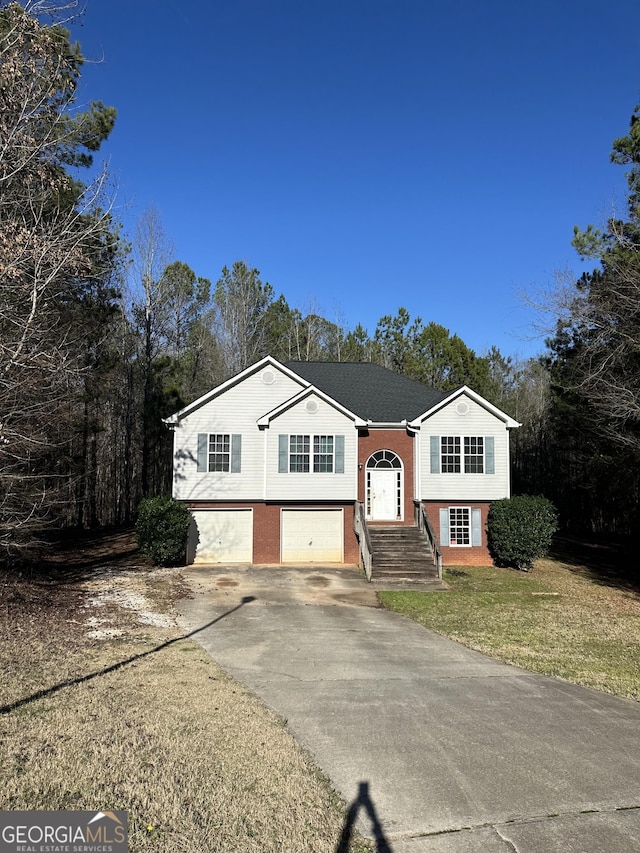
(101, 711)
(564, 619)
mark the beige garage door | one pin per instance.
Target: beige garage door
(223, 535)
(312, 536)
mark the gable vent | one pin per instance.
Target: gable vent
(268, 377)
(462, 408)
(312, 406)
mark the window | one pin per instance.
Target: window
(384, 459)
(299, 454)
(219, 452)
(323, 454)
(452, 454)
(317, 454)
(450, 450)
(459, 525)
(473, 455)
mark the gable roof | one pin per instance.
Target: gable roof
(365, 391)
(267, 361)
(369, 390)
(302, 395)
(510, 422)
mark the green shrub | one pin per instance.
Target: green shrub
(162, 530)
(520, 530)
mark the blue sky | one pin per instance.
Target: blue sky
(365, 155)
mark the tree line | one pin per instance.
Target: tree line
(102, 335)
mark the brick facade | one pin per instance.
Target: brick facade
(400, 442)
(267, 518)
(457, 555)
(266, 526)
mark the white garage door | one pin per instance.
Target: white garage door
(312, 536)
(223, 535)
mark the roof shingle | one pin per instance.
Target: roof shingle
(368, 390)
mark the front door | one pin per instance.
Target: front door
(383, 493)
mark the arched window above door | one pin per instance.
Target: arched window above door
(384, 459)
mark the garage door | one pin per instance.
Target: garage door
(224, 535)
(312, 536)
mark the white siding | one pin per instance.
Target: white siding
(296, 486)
(235, 411)
(460, 487)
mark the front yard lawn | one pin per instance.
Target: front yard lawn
(104, 704)
(561, 619)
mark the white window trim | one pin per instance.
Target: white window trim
(291, 453)
(226, 437)
(461, 454)
(327, 456)
(469, 544)
(231, 465)
(444, 455)
(470, 438)
(311, 437)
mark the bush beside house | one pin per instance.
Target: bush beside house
(520, 530)
(162, 530)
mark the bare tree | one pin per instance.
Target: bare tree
(172, 315)
(152, 252)
(54, 237)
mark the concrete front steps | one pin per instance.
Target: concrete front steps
(401, 556)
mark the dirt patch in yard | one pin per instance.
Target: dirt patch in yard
(106, 705)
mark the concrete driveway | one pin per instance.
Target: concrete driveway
(434, 747)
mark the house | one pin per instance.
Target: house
(278, 463)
